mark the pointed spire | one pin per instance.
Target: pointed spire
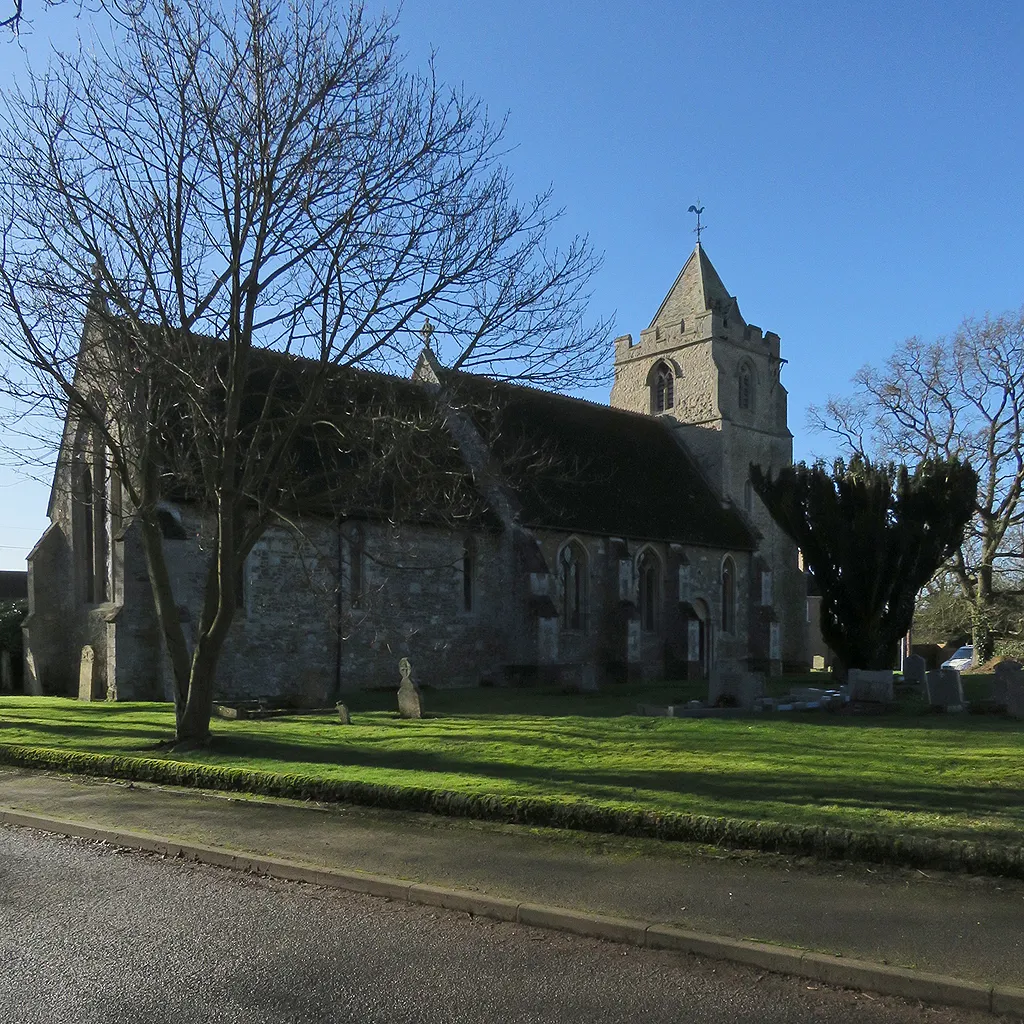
(696, 290)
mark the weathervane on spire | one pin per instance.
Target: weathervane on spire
(700, 227)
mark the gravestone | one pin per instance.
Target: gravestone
(818, 663)
(85, 673)
(6, 672)
(547, 640)
(343, 716)
(998, 691)
(944, 688)
(873, 686)
(744, 687)
(1015, 696)
(410, 704)
(913, 671)
(1006, 674)
(633, 641)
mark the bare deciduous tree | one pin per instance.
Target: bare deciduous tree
(962, 397)
(250, 199)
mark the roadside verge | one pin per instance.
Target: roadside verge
(833, 970)
(580, 815)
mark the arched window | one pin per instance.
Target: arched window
(572, 562)
(649, 586)
(728, 595)
(748, 497)
(468, 573)
(746, 387)
(355, 567)
(664, 388)
(88, 533)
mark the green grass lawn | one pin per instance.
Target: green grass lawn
(937, 776)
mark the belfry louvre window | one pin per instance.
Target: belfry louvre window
(664, 389)
(745, 387)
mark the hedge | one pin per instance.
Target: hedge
(768, 836)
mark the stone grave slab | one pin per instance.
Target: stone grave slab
(873, 686)
(744, 687)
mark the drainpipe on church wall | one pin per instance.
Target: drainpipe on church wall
(337, 628)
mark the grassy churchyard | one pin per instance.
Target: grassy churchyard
(911, 773)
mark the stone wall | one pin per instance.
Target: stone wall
(689, 577)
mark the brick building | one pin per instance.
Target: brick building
(592, 542)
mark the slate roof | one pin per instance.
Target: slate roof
(380, 447)
(578, 466)
(13, 584)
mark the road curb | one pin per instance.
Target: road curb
(840, 971)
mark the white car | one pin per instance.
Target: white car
(962, 659)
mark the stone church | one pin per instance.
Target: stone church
(639, 552)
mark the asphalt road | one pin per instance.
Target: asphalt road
(89, 932)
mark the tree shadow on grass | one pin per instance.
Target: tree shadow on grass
(727, 788)
(79, 735)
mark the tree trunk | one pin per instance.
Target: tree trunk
(981, 631)
(981, 617)
(167, 612)
(194, 722)
(218, 611)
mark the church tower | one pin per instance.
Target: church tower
(716, 378)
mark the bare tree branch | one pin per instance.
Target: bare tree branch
(234, 192)
(963, 397)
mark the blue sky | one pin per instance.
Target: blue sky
(861, 164)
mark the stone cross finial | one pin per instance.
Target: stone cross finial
(427, 331)
(697, 209)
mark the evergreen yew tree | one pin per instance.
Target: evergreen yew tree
(873, 535)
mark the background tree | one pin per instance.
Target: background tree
(230, 189)
(961, 397)
(872, 536)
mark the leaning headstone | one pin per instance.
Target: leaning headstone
(873, 686)
(6, 672)
(944, 688)
(343, 716)
(410, 704)
(85, 673)
(913, 671)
